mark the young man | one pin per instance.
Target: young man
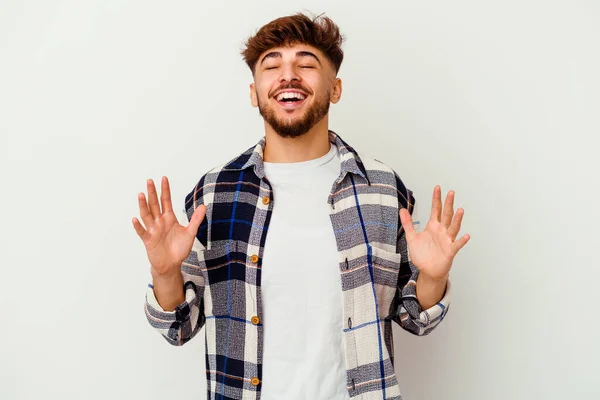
(296, 256)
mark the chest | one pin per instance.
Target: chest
(356, 224)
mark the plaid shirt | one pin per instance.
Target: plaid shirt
(222, 274)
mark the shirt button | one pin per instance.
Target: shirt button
(266, 200)
(254, 258)
(255, 381)
(255, 320)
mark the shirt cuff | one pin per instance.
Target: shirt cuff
(155, 312)
(427, 319)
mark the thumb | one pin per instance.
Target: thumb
(196, 220)
(407, 223)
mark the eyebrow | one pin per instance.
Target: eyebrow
(277, 54)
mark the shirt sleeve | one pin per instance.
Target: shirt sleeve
(409, 314)
(182, 324)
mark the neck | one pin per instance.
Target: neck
(313, 144)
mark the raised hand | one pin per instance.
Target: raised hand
(167, 242)
(432, 250)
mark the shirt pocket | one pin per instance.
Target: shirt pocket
(386, 265)
(386, 268)
(225, 263)
(218, 258)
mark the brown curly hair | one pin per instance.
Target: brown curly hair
(319, 32)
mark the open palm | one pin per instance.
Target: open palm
(433, 250)
(167, 242)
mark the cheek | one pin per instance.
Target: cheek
(317, 85)
(265, 85)
(262, 95)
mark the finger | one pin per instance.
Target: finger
(456, 222)
(165, 195)
(436, 204)
(139, 229)
(196, 219)
(153, 200)
(457, 245)
(144, 211)
(448, 209)
(407, 224)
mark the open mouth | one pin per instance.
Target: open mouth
(290, 100)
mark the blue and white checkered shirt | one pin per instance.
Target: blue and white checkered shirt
(222, 274)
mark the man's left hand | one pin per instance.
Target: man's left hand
(433, 250)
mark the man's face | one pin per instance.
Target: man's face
(293, 87)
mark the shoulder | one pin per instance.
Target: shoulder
(205, 187)
(380, 173)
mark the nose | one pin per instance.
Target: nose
(289, 73)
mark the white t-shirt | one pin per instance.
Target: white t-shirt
(303, 351)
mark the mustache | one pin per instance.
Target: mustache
(291, 86)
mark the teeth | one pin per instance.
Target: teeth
(290, 95)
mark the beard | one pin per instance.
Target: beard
(298, 126)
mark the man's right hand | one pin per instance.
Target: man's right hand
(167, 242)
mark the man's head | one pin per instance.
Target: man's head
(294, 61)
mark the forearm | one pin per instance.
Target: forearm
(168, 290)
(430, 291)
(179, 315)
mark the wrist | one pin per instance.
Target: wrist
(172, 275)
(434, 281)
(168, 290)
(430, 290)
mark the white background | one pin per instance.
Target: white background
(499, 101)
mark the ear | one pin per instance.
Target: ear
(253, 98)
(336, 93)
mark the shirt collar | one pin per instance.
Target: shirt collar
(253, 157)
